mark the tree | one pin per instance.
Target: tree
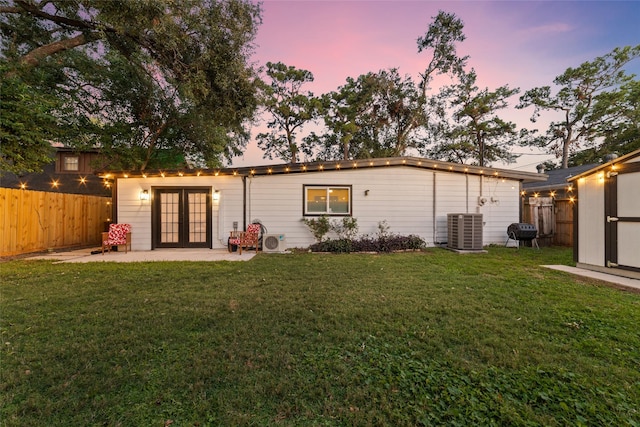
(579, 90)
(440, 40)
(290, 109)
(188, 60)
(341, 111)
(27, 123)
(375, 115)
(476, 133)
(620, 133)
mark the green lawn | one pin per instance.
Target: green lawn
(425, 338)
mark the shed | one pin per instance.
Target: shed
(608, 217)
(198, 208)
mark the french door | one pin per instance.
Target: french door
(182, 217)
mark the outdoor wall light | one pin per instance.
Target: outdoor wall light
(366, 192)
(144, 195)
(216, 195)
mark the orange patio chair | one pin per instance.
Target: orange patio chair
(247, 239)
(118, 234)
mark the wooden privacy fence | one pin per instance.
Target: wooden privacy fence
(32, 221)
(552, 217)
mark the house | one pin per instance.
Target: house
(608, 217)
(549, 205)
(70, 171)
(199, 208)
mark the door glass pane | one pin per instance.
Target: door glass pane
(169, 217)
(197, 205)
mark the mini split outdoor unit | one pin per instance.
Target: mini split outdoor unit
(273, 243)
(464, 231)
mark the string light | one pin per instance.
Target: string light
(317, 166)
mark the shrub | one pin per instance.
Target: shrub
(388, 243)
(347, 228)
(319, 226)
(335, 246)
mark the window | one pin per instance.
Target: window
(71, 163)
(324, 200)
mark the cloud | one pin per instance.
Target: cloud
(553, 28)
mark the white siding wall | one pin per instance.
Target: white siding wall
(406, 198)
(133, 211)
(591, 219)
(401, 196)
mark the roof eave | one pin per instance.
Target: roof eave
(319, 166)
(610, 164)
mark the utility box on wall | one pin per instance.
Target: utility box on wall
(464, 231)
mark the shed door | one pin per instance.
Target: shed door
(182, 218)
(622, 213)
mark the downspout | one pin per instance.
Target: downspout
(114, 202)
(435, 235)
(576, 241)
(244, 202)
(521, 204)
(466, 176)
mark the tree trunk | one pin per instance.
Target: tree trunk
(566, 143)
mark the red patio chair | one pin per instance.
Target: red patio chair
(118, 234)
(247, 239)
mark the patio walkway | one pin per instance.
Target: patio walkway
(84, 255)
(619, 281)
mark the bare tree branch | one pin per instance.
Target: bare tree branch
(34, 57)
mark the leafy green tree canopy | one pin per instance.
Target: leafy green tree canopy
(376, 115)
(290, 109)
(136, 77)
(475, 132)
(587, 100)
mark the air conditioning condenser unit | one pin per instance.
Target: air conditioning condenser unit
(274, 243)
(464, 231)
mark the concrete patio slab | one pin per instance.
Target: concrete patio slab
(619, 281)
(84, 255)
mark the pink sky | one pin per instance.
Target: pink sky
(523, 44)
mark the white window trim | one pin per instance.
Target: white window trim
(327, 188)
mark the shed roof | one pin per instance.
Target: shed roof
(558, 178)
(611, 165)
(320, 166)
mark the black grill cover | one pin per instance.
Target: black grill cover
(522, 231)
